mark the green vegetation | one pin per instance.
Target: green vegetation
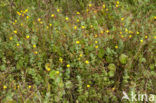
(76, 51)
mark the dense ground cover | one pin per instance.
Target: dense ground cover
(76, 51)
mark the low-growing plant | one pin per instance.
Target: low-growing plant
(76, 51)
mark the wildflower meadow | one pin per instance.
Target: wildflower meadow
(77, 51)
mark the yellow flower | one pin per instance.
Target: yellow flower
(82, 27)
(130, 36)
(34, 46)
(117, 2)
(39, 19)
(50, 24)
(155, 17)
(80, 55)
(95, 35)
(58, 10)
(130, 32)
(104, 6)
(96, 46)
(15, 21)
(77, 42)
(4, 87)
(22, 14)
(146, 37)
(77, 13)
(106, 9)
(26, 10)
(87, 10)
(116, 47)
(96, 42)
(117, 5)
(18, 13)
(48, 69)
(61, 60)
(21, 24)
(68, 65)
(27, 36)
(41, 22)
(122, 36)
(113, 89)
(141, 41)
(101, 31)
(138, 32)
(29, 86)
(120, 32)
(52, 15)
(17, 44)
(15, 31)
(67, 18)
(36, 52)
(122, 19)
(47, 27)
(78, 20)
(11, 38)
(154, 37)
(107, 31)
(87, 62)
(90, 5)
(75, 27)
(126, 30)
(88, 86)
(57, 72)
(91, 26)
(27, 17)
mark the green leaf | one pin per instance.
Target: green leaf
(123, 59)
(101, 53)
(109, 59)
(52, 74)
(19, 64)
(2, 67)
(90, 48)
(109, 52)
(68, 84)
(142, 60)
(151, 66)
(111, 74)
(121, 44)
(112, 67)
(105, 78)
